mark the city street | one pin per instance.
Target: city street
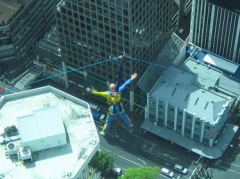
(228, 166)
(138, 148)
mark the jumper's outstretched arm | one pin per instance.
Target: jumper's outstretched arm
(104, 94)
(127, 83)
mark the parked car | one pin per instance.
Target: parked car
(117, 171)
(181, 169)
(167, 172)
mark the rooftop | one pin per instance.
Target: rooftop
(9, 7)
(213, 72)
(181, 89)
(65, 160)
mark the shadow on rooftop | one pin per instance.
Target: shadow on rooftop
(53, 152)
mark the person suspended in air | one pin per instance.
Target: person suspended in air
(113, 97)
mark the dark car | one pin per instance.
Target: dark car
(181, 169)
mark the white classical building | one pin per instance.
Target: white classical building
(192, 95)
(46, 133)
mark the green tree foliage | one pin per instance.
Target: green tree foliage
(141, 173)
(102, 162)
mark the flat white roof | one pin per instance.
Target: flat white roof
(54, 163)
(40, 124)
(220, 63)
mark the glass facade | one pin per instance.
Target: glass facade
(26, 28)
(93, 30)
(206, 20)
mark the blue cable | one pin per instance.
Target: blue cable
(112, 59)
(58, 74)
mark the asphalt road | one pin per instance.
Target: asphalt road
(228, 166)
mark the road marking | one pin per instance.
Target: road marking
(195, 167)
(122, 157)
(233, 171)
(151, 148)
(232, 164)
(141, 161)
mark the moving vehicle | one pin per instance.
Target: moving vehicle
(181, 169)
(117, 171)
(167, 172)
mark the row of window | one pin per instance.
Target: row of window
(187, 131)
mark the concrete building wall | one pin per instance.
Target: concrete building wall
(163, 113)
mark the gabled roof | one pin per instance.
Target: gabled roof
(181, 89)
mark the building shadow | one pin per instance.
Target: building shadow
(136, 145)
(229, 156)
(53, 152)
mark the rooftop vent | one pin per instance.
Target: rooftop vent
(173, 92)
(206, 106)
(196, 101)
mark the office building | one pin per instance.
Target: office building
(192, 101)
(54, 138)
(90, 31)
(23, 24)
(215, 26)
(184, 7)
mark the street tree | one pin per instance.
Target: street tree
(141, 173)
(102, 162)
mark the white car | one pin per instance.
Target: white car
(117, 171)
(181, 169)
(167, 172)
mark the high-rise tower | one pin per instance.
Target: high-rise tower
(90, 30)
(215, 26)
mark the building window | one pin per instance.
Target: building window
(197, 123)
(196, 136)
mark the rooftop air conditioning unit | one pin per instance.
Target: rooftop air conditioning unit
(24, 153)
(11, 149)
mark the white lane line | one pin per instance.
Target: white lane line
(141, 161)
(232, 164)
(122, 157)
(233, 171)
(193, 171)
